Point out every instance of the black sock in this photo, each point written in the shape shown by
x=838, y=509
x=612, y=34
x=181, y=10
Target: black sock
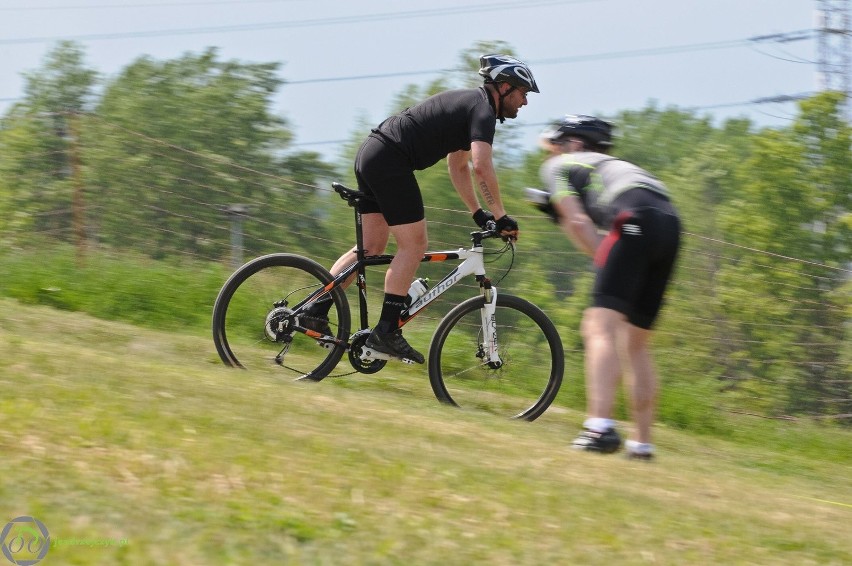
x=393, y=305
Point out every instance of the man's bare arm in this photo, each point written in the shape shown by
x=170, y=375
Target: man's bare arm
x=458, y=165
x=486, y=177
x=577, y=225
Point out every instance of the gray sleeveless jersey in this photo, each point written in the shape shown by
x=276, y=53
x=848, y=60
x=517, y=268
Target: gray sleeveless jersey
x=598, y=180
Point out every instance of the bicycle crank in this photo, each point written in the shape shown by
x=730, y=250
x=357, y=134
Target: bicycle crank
x=363, y=359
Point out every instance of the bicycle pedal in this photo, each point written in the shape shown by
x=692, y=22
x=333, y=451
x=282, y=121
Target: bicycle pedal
x=368, y=355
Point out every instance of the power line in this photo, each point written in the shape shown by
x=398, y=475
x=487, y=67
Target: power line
x=143, y=5
x=656, y=51
x=651, y=51
x=762, y=100
x=361, y=18
x=783, y=98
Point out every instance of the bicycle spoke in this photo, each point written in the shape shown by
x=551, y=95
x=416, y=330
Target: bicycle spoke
x=255, y=325
x=529, y=348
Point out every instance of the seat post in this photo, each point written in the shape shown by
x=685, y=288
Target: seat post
x=360, y=254
x=354, y=198
x=359, y=230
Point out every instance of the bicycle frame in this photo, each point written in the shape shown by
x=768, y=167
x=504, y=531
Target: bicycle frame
x=472, y=263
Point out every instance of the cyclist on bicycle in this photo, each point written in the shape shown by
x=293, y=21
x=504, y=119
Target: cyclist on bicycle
x=456, y=124
x=591, y=190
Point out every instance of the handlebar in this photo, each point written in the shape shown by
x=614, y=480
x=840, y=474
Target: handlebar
x=490, y=231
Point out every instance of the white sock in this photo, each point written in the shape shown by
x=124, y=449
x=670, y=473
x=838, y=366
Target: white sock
x=599, y=424
x=635, y=447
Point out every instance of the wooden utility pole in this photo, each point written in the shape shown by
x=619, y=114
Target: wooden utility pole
x=78, y=207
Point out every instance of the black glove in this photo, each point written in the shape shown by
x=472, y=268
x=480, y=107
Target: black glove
x=507, y=224
x=481, y=217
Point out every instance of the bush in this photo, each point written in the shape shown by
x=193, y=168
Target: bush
x=127, y=287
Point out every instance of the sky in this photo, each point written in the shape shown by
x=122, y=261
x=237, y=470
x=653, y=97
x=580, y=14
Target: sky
x=344, y=61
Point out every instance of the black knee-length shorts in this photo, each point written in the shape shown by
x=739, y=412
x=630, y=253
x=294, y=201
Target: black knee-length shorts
x=383, y=172
x=635, y=262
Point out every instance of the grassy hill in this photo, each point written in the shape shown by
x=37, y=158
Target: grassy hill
x=143, y=443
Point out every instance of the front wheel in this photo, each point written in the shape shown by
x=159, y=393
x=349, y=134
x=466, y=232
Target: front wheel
x=257, y=316
x=528, y=379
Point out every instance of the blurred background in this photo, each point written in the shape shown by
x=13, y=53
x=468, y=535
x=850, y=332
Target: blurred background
x=149, y=148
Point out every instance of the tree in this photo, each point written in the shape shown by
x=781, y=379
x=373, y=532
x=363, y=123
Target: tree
x=37, y=142
x=177, y=143
x=792, y=201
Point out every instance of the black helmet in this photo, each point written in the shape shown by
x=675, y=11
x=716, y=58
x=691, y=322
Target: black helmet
x=506, y=69
x=594, y=130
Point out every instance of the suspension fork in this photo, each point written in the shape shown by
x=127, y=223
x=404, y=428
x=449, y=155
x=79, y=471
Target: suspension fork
x=488, y=316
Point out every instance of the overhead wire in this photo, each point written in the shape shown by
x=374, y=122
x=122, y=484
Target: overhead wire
x=785, y=37
x=337, y=20
x=656, y=51
x=30, y=8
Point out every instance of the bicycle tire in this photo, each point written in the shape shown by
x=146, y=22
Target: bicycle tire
x=247, y=300
x=529, y=346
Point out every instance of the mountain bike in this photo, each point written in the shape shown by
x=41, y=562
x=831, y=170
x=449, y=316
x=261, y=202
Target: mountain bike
x=494, y=351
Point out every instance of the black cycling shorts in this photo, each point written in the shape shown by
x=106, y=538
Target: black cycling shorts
x=383, y=172
x=635, y=263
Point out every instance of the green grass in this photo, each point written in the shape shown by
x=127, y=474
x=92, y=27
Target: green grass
x=110, y=431
x=175, y=294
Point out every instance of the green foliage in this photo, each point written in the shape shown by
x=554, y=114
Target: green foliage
x=659, y=139
x=63, y=84
x=207, y=127
x=790, y=203
x=35, y=189
x=174, y=145
x=37, y=139
x=127, y=287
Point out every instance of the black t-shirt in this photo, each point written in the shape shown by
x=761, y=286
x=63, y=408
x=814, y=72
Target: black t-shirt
x=441, y=124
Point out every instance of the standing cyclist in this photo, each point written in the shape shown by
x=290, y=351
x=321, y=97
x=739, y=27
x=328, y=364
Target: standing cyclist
x=591, y=190
x=458, y=124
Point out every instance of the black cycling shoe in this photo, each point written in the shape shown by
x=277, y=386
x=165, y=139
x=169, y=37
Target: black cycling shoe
x=605, y=442
x=317, y=324
x=393, y=344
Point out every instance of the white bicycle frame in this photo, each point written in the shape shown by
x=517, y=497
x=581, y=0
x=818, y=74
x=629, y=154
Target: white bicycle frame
x=473, y=264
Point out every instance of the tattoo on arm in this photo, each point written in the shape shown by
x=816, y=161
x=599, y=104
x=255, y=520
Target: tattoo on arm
x=486, y=192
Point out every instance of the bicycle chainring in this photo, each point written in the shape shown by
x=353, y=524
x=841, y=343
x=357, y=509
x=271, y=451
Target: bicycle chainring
x=356, y=346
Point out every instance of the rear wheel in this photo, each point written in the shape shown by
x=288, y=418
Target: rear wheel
x=532, y=359
x=258, y=310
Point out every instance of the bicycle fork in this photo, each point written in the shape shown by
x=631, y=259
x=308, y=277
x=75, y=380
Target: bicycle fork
x=488, y=315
